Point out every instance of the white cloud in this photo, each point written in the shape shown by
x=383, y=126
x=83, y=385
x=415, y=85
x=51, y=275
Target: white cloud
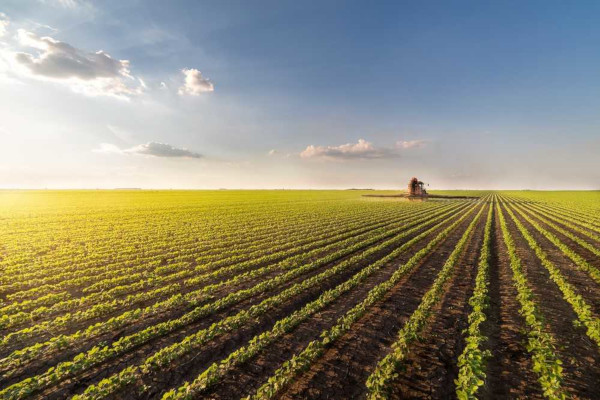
x=4, y=22
x=162, y=150
x=90, y=73
x=154, y=149
x=61, y=60
x=36, y=26
x=411, y=144
x=108, y=148
x=195, y=83
x=72, y=4
x=272, y=152
x=360, y=150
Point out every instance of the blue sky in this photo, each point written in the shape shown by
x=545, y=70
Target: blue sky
x=327, y=94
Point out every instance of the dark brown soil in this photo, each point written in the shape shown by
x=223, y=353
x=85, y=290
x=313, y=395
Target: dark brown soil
x=343, y=369
x=431, y=366
x=76, y=291
x=210, y=354
x=589, y=256
x=509, y=369
x=247, y=378
x=585, y=285
x=40, y=365
x=580, y=356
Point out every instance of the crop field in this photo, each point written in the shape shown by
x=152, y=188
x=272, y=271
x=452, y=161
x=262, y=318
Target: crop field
x=298, y=295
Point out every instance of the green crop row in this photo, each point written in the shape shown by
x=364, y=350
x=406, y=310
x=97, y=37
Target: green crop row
x=102, y=278
x=378, y=383
x=161, y=359
x=581, y=308
x=300, y=362
x=540, y=344
x=192, y=299
x=575, y=227
x=566, y=250
x=471, y=362
x=258, y=343
x=100, y=354
x=246, y=233
x=181, y=271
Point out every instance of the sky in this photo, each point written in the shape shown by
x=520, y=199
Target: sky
x=299, y=94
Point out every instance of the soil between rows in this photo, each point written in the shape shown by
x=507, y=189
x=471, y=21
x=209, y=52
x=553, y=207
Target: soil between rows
x=586, y=254
x=185, y=289
x=509, y=369
x=579, y=354
x=245, y=379
x=560, y=222
x=343, y=369
x=431, y=366
x=584, y=284
x=40, y=365
x=134, y=357
x=76, y=292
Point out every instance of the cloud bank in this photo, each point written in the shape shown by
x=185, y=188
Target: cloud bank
x=411, y=144
x=94, y=73
x=360, y=150
x=195, y=84
x=154, y=149
x=91, y=73
x=4, y=22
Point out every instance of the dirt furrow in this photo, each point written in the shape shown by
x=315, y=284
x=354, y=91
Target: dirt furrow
x=509, y=369
x=586, y=286
x=580, y=356
x=343, y=369
x=42, y=364
x=247, y=378
x=386, y=221
x=431, y=366
x=134, y=357
x=589, y=256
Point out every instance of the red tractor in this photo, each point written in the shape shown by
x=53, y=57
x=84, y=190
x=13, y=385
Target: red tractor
x=416, y=188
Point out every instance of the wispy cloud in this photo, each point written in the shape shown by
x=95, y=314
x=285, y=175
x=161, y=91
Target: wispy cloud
x=411, y=144
x=153, y=149
x=194, y=83
x=36, y=26
x=162, y=150
x=278, y=154
x=360, y=150
x=69, y=4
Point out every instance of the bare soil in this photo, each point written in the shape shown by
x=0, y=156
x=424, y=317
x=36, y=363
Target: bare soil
x=430, y=368
x=580, y=356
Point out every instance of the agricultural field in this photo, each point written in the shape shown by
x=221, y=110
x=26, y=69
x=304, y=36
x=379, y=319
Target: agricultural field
x=298, y=295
